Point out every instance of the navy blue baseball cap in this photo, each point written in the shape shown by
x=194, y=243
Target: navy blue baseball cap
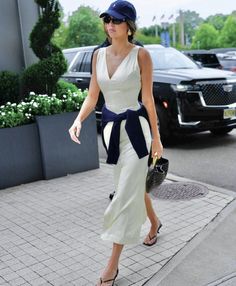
x=121, y=9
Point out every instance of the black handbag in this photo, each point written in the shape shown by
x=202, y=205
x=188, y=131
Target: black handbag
x=157, y=172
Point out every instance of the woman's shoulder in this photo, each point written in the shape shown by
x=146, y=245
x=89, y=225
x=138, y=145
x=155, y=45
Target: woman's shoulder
x=143, y=54
x=98, y=52
x=143, y=51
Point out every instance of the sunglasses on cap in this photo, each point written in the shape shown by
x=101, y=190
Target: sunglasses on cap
x=115, y=21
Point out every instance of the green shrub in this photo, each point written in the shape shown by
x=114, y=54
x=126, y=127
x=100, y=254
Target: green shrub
x=12, y=114
x=43, y=76
x=63, y=86
x=9, y=87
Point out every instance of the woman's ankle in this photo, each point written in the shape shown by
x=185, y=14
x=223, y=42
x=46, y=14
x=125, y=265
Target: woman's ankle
x=155, y=222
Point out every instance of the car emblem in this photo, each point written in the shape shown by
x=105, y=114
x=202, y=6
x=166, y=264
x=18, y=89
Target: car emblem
x=228, y=87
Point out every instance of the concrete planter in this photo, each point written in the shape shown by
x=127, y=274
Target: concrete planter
x=60, y=155
x=44, y=150
x=20, y=160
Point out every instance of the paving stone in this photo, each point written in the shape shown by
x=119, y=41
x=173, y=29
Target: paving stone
x=50, y=232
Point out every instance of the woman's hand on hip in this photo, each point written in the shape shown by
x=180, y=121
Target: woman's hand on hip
x=75, y=131
x=157, y=148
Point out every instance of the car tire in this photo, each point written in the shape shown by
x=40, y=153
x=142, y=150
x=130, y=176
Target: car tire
x=221, y=131
x=163, y=124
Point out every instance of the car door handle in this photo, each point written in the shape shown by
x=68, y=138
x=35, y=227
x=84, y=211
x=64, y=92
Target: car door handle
x=79, y=79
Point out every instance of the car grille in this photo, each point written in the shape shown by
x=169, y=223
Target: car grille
x=216, y=93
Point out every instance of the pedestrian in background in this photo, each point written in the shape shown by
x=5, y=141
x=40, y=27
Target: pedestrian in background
x=129, y=130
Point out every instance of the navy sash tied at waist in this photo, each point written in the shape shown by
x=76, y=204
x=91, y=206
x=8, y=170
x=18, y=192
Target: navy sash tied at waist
x=132, y=127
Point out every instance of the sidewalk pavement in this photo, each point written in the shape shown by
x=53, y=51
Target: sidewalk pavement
x=50, y=235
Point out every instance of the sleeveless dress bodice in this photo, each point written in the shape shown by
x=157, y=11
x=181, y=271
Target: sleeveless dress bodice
x=121, y=91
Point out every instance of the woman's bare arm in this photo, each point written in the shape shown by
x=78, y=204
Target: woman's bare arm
x=145, y=64
x=88, y=104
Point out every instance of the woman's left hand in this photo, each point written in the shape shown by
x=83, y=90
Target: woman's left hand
x=157, y=148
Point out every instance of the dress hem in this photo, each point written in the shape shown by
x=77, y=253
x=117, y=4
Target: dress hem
x=117, y=240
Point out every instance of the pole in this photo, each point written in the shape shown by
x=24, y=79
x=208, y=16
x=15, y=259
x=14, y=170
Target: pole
x=174, y=35
x=156, y=29
x=181, y=22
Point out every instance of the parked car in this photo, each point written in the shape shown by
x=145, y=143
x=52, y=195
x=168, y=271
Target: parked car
x=228, y=61
x=204, y=58
x=227, y=58
x=188, y=98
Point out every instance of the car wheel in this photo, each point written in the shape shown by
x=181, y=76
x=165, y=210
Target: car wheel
x=221, y=131
x=164, y=124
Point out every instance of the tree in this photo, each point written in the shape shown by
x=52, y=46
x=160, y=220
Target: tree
x=192, y=20
x=42, y=77
x=217, y=21
x=85, y=28
x=150, y=31
x=206, y=37
x=60, y=35
x=147, y=39
x=227, y=35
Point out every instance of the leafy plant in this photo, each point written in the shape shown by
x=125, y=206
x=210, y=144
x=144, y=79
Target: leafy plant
x=43, y=76
x=13, y=114
x=63, y=86
x=9, y=87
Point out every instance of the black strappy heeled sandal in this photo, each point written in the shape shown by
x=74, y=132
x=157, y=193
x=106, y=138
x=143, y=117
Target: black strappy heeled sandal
x=109, y=280
x=155, y=236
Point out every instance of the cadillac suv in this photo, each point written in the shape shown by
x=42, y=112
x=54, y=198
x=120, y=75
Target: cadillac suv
x=188, y=97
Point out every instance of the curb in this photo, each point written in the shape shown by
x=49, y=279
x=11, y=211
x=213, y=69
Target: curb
x=176, y=178
x=156, y=279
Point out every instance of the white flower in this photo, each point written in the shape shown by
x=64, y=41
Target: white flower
x=3, y=113
x=32, y=93
x=53, y=95
x=23, y=103
x=64, y=96
x=13, y=104
x=35, y=105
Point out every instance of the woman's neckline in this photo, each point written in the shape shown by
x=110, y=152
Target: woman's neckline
x=122, y=61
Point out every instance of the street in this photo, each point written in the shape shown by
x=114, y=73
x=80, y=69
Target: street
x=202, y=157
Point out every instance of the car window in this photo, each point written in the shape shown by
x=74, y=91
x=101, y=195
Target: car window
x=78, y=62
x=170, y=58
x=82, y=62
x=86, y=62
x=69, y=56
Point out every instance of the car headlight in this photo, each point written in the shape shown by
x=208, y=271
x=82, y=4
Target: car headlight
x=181, y=87
x=185, y=87
x=231, y=80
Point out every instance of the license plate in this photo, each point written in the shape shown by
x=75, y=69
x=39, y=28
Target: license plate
x=229, y=113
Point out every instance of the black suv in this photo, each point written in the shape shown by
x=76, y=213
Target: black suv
x=188, y=98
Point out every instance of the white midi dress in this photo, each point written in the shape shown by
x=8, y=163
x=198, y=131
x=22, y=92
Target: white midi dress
x=126, y=213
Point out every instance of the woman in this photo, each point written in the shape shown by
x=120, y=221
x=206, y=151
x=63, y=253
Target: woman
x=129, y=131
